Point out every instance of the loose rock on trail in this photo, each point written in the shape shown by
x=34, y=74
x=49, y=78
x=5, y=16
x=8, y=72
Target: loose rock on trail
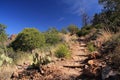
x=63, y=69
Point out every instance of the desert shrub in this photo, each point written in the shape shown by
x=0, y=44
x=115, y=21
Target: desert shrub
x=52, y=37
x=41, y=56
x=3, y=37
x=1, y=50
x=112, y=49
x=52, y=30
x=64, y=31
x=6, y=71
x=10, y=52
x=99, y=26
x=73, y=29
x=91, y=47
x=104, y=35
x=85, y=30
x=112, y=43
x=4, y=59
x=28, y=39
x=116, y=59
x=62, y=51
x=40, y=59
x=20, y=58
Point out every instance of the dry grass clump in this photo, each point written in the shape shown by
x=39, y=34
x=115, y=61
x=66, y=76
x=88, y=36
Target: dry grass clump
x=101, y=37
x=6, y=71
x=104, y=36
x=21, y=57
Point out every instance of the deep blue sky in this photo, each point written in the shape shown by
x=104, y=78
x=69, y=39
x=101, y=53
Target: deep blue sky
x=42, y=14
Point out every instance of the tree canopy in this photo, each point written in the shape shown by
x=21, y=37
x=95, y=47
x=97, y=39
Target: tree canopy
x=28, y=39
x=52, y=37
x=110, y=15
x=3, y=35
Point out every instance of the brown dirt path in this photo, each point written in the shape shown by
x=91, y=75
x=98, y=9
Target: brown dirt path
x=61, y=69
x=71, y=68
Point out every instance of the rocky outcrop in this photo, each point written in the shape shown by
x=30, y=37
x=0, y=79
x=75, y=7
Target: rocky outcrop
x=12, y=37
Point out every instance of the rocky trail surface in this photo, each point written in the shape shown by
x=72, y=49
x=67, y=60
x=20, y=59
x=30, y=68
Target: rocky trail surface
x=61, y=69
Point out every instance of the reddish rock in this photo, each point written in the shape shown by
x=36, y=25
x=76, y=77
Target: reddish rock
x=94, y=55
x=12, y=37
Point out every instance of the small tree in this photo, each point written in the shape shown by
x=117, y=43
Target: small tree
x=52, y=30
x=64, y=31
x=52, y=37
x=28, y=39
x=3, y=37
x=73, y=29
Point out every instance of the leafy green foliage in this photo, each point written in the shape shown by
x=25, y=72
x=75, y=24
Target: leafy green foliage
x=1, y=50
x=52, y=30
x=110, y=15
x=84, y=31
x=64, y=31
x=112, y=49
x=110, y=5
x=5, y=59
x=115, y=57
x=21, y=57
x=73, y=29
x=3, y=35
x=91, y=47
x=111, y=44
x=52, y=37
x=38, y=60
x=28, y=39
x=62, y=51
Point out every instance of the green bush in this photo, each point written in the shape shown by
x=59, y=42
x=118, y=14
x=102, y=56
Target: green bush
x=52, y=37
x=115, y=57
x=1, y=51
x=3, y=35
x=52, y=30
x=20, y=58
x=28, y=39
x=64, y=31
x=38, y=60
x=111, y=44
x=5, y=59
x=91, y=47
x=85, y=30
x=112, y=48
x=62, y=51
x=73, y=29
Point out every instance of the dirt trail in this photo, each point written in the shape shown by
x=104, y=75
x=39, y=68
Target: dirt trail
x=71, y=68
x=63, y=69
